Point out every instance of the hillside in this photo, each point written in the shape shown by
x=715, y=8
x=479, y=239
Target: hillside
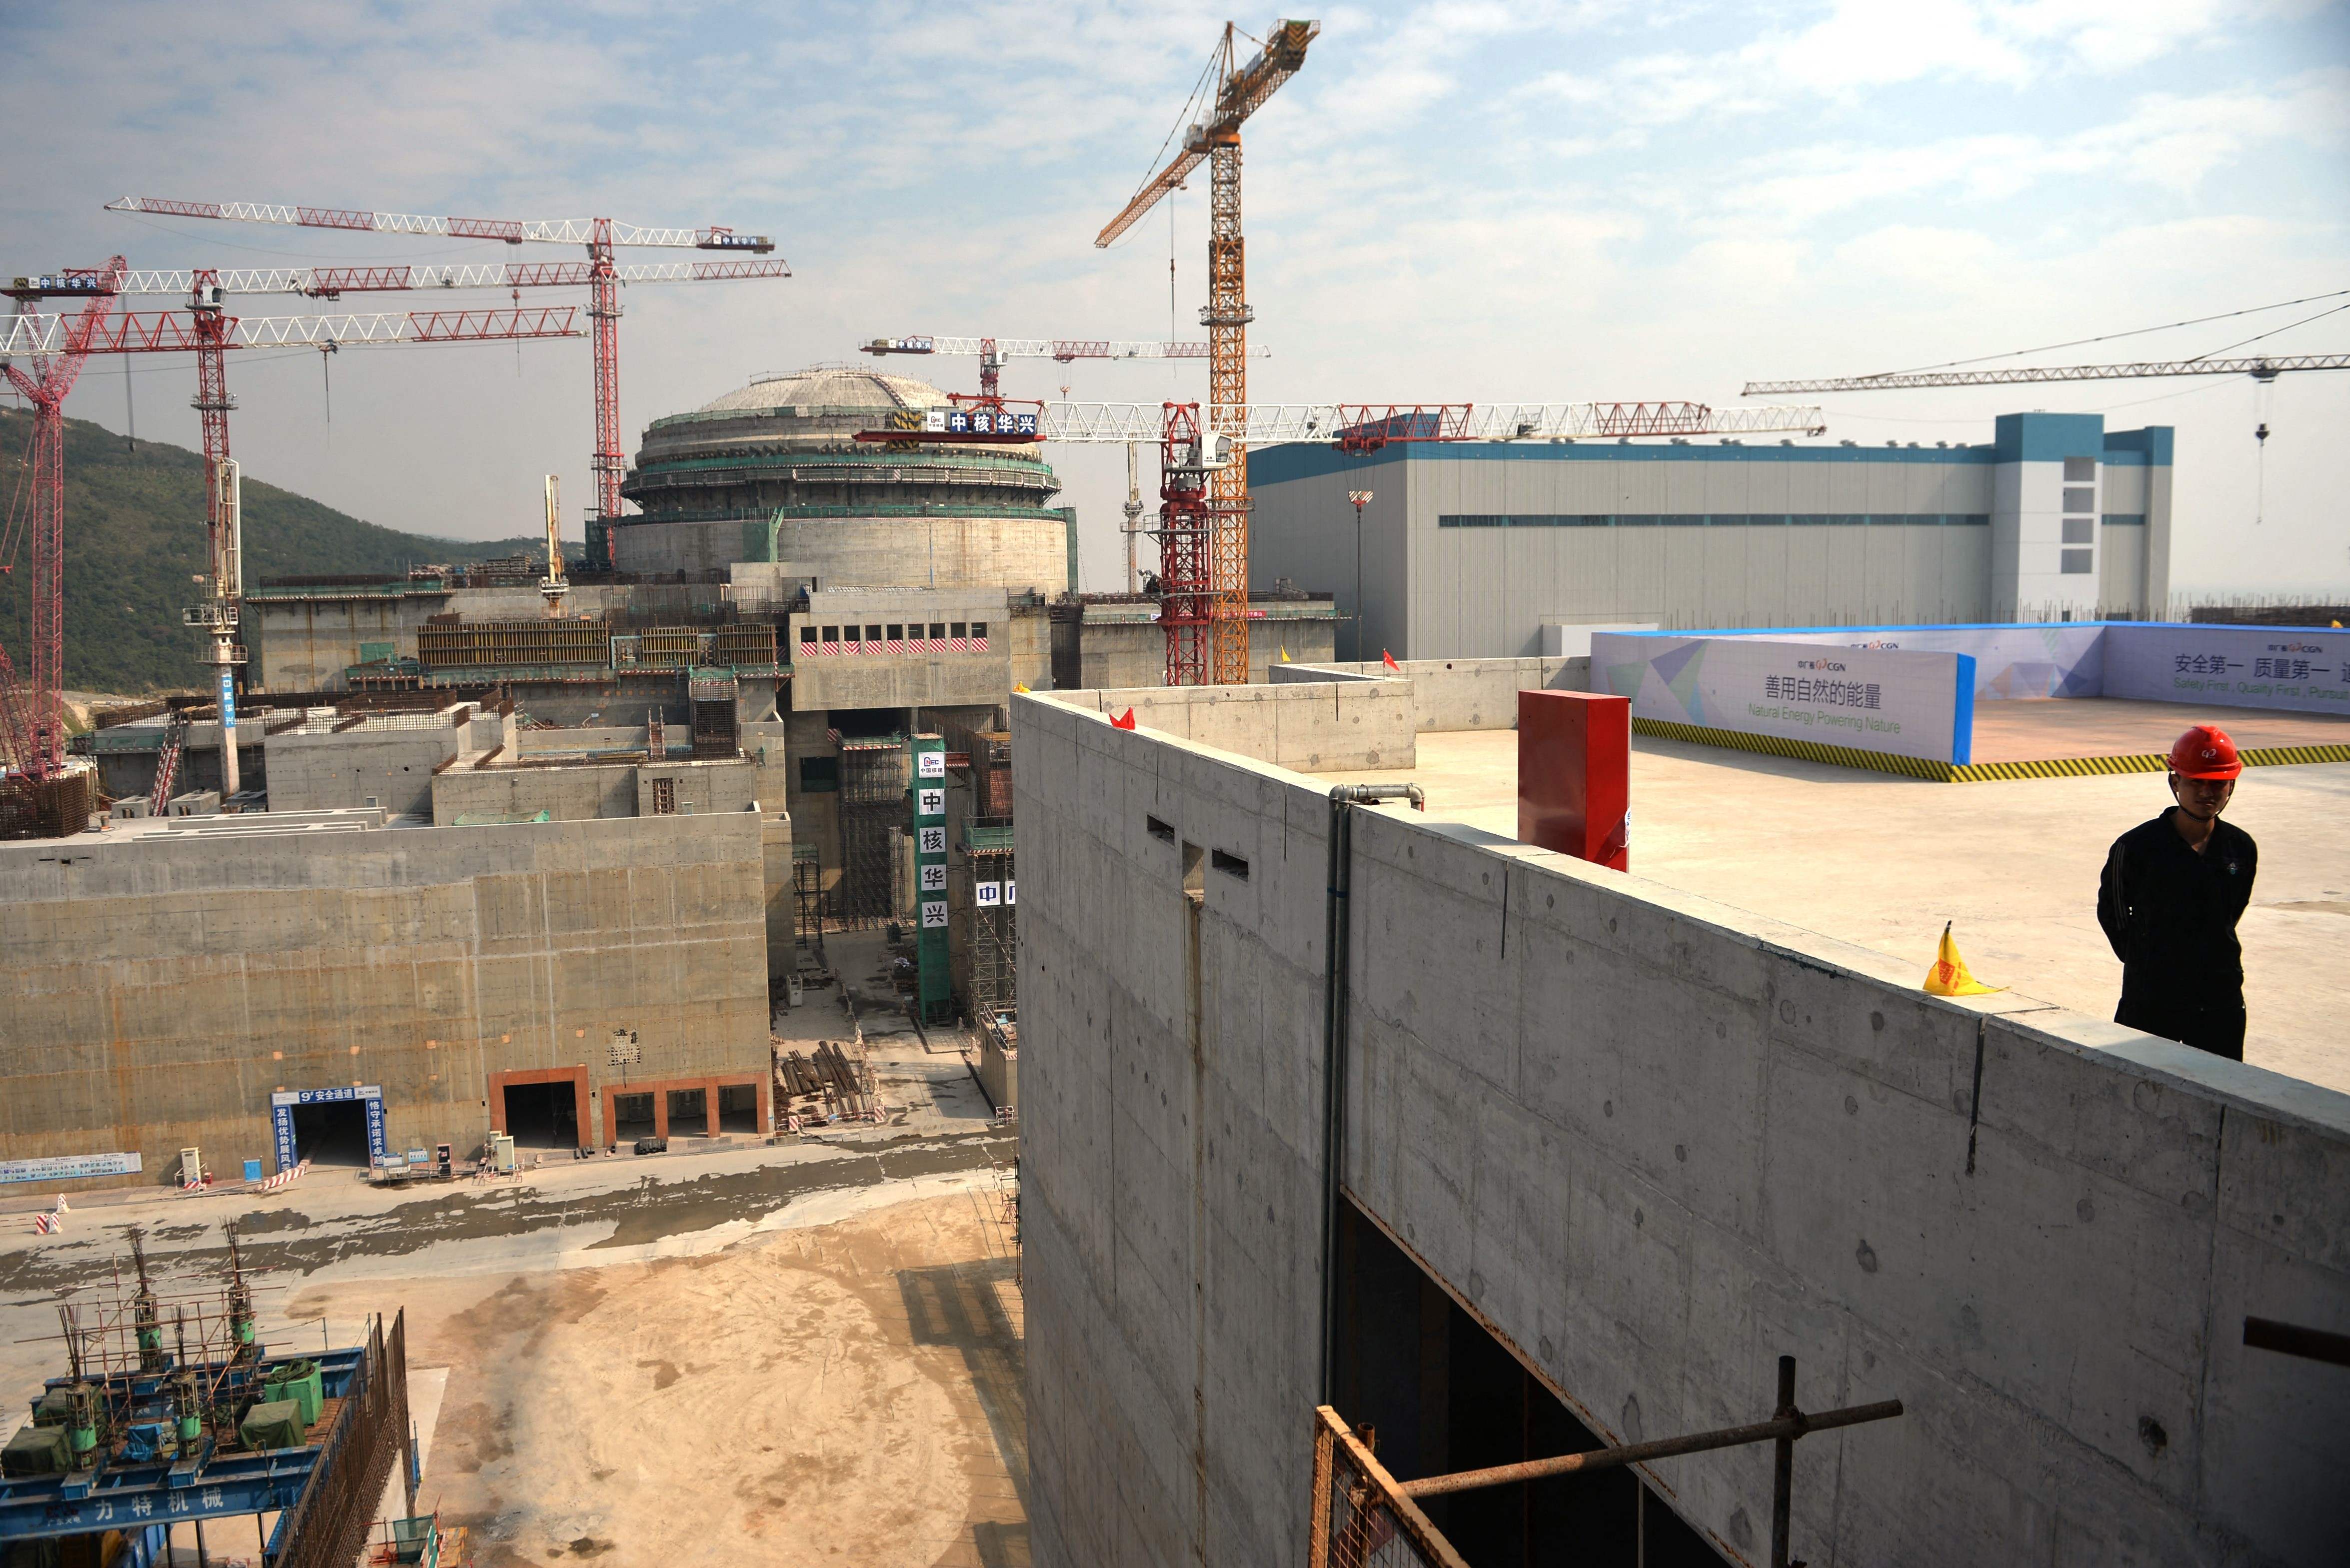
x=134, y=537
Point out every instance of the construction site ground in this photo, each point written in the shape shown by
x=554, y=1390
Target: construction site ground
x=807, y=1353
x=1883, y=861
x=924, y=1075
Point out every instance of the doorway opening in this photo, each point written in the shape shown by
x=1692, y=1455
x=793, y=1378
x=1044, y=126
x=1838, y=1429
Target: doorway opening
x=632, y=1117
x=1444, y=1395
x=688, y=1114
x=331, y=1132
x=542, y=1116
x=738, y=1108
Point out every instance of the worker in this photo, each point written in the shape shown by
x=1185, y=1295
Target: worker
x=2172, y=892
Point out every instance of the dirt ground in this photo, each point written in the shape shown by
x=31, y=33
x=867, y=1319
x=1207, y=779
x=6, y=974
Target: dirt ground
x=845, y=1393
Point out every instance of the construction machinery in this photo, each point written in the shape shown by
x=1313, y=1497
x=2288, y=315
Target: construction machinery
x=1239, y=89
x=206, y=330
x=32, y=710
x=2263, y=368
x=1195, y=457
x=993, y=351
x=554, y=586
x=600, y=236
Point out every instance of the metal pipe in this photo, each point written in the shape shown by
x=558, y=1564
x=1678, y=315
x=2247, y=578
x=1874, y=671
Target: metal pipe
x=1783, y=1464
x=1343, y=797
x=1793, y=1426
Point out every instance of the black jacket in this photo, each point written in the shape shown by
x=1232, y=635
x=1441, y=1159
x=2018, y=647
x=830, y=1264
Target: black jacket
x=2171, y=914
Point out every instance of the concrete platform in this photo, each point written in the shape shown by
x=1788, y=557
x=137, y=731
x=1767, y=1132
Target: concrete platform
x=2049, y=728
x=1883, y=861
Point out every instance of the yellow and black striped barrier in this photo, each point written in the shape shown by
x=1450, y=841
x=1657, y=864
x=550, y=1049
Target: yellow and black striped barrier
x=1966, y=772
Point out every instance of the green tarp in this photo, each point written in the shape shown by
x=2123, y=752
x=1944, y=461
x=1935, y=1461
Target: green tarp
x=277, y=1424
x=296, y=1380
x=36, y=1451
x=54, y=1408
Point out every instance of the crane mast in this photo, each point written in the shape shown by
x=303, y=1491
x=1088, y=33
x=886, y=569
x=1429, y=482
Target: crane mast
x=32, y=716
x=609, y=464
x=205, y=329
x=1220, y=523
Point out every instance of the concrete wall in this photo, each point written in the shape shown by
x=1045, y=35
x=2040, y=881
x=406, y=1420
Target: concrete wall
x=394, y=767
x=1118, y=654
x=1457, y=694
x=1653, y=1142
x=574, y=791
x=161, y=987
x=1018, y=553
x=1341, y=725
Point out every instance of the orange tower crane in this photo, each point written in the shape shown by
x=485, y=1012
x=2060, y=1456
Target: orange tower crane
x=1206, y=544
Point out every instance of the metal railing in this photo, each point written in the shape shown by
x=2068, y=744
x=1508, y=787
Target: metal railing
x=1364, y=1515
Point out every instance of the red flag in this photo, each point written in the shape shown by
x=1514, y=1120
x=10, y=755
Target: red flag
x=1388, y=660
x=1124, y=722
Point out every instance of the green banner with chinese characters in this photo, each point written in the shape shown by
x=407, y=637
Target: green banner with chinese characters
x=934, y=991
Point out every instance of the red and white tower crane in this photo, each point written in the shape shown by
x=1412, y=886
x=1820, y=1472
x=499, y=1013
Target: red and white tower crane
x=993, y=351
x=206, y=330
x=32, y=711
x=600, y=236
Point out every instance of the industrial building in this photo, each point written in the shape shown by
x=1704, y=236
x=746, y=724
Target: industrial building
x=427, y=927
x=1502, y=1155
x=1470, y=549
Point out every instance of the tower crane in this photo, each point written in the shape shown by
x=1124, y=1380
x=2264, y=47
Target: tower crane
x=600, y=236
x=993, y=351
x=1193, y=455
x=32, y=711
x=206, y=330
x=1204, y=544
x=2263, y=368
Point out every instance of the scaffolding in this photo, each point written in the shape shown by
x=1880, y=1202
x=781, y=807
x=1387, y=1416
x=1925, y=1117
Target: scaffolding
x=807, y=898
x=1364, y=1516
x=986, y=916
x=872, y=821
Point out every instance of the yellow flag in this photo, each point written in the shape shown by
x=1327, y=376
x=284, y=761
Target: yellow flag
x=1021, y=686
x=1948, y=977
x=1285, y=648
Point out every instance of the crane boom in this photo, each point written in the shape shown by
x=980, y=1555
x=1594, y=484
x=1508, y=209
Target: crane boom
x=1379, y=423
x=2263, y=368
x=329, y=281
x=511, y=231
x=170, y=331
x=1065, y=349
x=607, y=463
x=1240, y=94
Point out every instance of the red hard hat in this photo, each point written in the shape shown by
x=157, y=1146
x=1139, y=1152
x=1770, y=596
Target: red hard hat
x=2205, y=752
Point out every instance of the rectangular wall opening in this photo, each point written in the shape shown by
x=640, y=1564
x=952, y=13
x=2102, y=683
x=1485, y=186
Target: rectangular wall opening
x=632, y=1117
x=688, y=1114
x=331, y=1132
x=1443, y=1394
x=542, y=1116
x=738, y=1108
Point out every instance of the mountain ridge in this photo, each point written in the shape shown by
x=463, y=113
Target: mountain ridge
x=134, y=538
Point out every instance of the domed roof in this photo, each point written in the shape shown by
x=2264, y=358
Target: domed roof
x=830, y=387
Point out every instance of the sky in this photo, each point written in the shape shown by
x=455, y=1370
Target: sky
x=1469, y=201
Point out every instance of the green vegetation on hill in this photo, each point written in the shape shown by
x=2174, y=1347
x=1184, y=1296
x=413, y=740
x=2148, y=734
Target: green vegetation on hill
x=134, y=538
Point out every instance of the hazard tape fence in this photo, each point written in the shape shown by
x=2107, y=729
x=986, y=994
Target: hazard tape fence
x=1966, y=772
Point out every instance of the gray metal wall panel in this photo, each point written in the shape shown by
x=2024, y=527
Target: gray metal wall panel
x=2121, y=570
x=2124, y=489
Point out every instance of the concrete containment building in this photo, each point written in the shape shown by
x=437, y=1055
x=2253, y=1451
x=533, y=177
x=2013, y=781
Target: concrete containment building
x=1511, y=1157
x=1469, y=549
x=773, y=472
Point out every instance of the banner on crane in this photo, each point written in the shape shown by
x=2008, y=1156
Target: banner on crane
x=980, y=422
